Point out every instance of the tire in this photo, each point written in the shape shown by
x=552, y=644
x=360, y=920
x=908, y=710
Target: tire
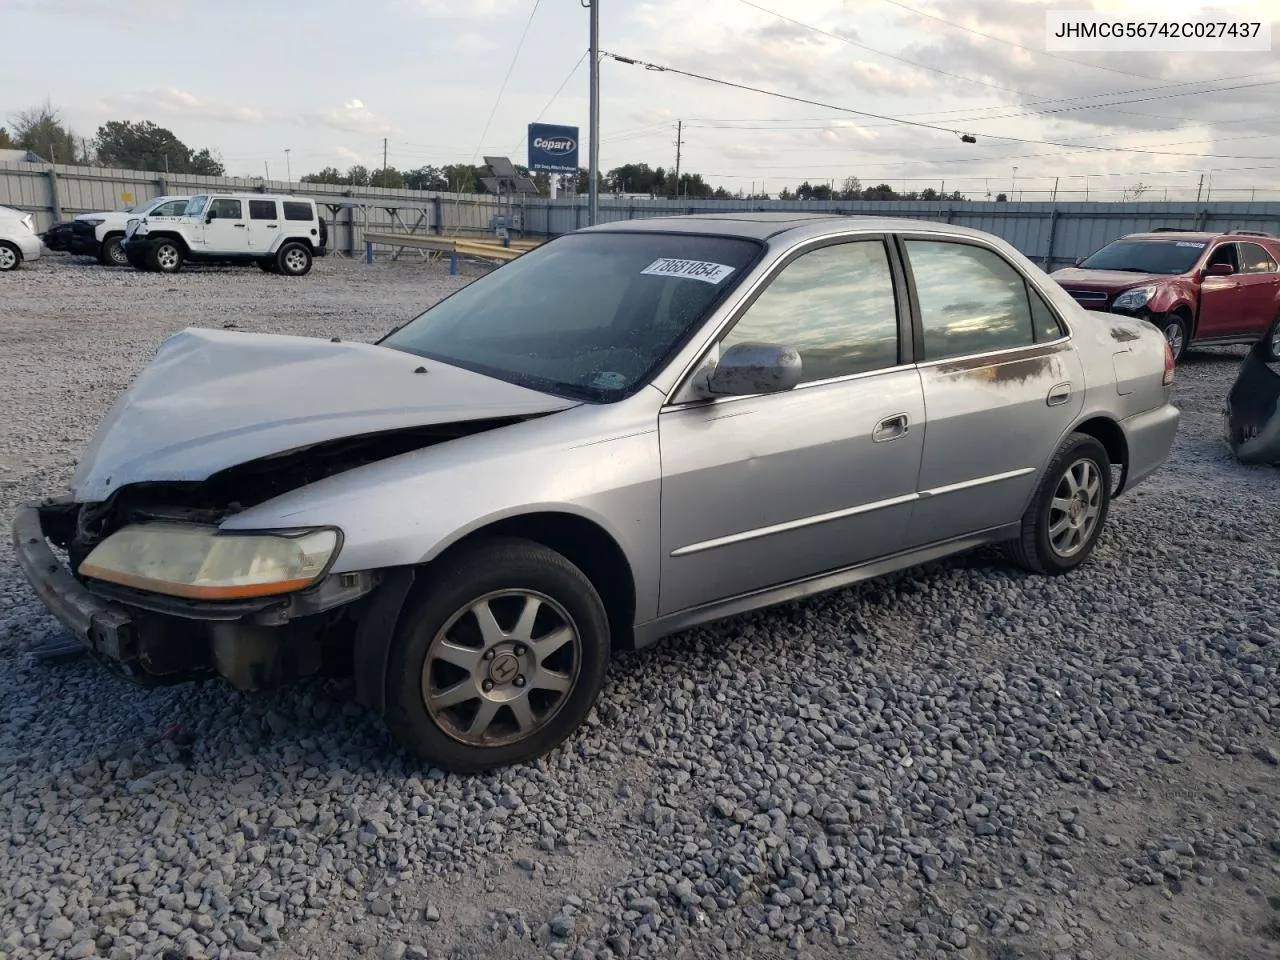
x=1271, y=344
x=1038, y=548
x=10, y=257
x=1177, y=333
x=112, y=252
x=293, y=259
x=166, y=256
x=504, y=576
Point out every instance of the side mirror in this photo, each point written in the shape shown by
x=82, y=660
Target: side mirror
x=749, y=368
x=1219, y=270
x=1077, y=261
x=210, y=216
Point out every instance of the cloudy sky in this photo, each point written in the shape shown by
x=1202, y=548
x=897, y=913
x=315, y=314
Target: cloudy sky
x=328, y=84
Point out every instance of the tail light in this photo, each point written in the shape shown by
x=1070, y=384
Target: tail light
x=1168, y=365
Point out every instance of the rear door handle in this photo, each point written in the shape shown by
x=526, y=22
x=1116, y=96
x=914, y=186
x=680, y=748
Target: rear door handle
x=240, y=225
x=1059, y=395
x=891, y=428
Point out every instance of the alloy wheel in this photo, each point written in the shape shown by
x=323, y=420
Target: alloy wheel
x=501, y=668
x=1075, y=508
x=8, y=259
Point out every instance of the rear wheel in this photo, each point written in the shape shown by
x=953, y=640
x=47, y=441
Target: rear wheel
x=1067, y=513
x=1177, y=333
x=293, y=260
x=166, y=256
x=10, y=256
x=112, y=252
x=498, y=660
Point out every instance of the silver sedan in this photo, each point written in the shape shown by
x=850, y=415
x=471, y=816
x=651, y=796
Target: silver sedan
x=630, y=430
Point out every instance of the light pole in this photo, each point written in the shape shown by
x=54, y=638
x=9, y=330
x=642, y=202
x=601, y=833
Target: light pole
x=288, y=171
x=593, y=163
x=1013, y=183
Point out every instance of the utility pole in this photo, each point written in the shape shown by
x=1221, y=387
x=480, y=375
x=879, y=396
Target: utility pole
x=1013, y=183
x=288, y=169
x=679, y=142
x=1054, y=199
x=384, y=162
x=1200, y=189
x=593, y=165
x=266, y=168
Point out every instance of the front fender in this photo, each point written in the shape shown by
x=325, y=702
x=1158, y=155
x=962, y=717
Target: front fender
x=598, y=464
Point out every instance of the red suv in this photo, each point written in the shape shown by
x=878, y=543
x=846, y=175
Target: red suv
x=1199, y=288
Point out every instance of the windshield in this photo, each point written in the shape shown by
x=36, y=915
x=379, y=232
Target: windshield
x=1147, y=256
x=195, y=206
x=590, y=316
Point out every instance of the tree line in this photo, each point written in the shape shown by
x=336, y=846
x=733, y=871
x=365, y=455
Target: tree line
x=143, y=145
x=118, y=143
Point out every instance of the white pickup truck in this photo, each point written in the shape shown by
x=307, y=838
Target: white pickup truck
x=100, y=234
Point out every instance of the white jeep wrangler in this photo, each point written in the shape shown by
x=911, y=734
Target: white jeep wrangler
x=281, y=234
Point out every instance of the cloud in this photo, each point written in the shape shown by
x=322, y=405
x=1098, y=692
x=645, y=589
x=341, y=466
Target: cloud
x=352, y=117
x=172, y=101
x=746, y=151
x=469, y=10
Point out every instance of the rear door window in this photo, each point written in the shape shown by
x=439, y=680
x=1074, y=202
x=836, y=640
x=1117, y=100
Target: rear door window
x=262, y=210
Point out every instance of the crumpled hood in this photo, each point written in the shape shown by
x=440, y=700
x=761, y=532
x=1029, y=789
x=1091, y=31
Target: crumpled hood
x=1109, y=280
x=212, y=399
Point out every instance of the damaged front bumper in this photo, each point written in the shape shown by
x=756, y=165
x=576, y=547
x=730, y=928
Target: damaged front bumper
x=1251, y=420
x=153, y=639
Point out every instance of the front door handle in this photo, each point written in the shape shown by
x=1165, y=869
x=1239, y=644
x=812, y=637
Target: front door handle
x=1059, y=395
x=891, y=428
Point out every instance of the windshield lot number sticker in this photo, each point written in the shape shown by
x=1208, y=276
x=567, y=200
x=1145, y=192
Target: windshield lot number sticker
x=1189, y=243
x=689, y=269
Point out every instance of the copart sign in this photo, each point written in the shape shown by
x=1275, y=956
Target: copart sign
x=553, y=148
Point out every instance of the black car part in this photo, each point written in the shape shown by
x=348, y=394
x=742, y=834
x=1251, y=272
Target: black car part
x=1253, y=410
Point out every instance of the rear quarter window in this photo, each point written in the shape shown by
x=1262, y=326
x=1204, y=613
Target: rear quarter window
x=294, y=210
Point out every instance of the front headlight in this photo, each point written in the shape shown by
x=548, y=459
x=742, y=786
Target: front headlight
x=1133, y=299
x=94, y=221
x=199, y=563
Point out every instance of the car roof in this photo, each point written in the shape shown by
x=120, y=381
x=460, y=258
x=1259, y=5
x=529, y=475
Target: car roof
x=1198, y=235
x=765, y=225
x=233, y=195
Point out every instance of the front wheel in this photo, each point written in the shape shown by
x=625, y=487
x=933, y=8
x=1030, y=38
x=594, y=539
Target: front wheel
x=1067, y=513
x=293, y=260
x=112, y=252
x=498, y=660
x=1177, y=333
x=10, y=257
x=166, y=256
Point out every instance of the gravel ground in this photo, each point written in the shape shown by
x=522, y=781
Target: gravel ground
x=959, y=761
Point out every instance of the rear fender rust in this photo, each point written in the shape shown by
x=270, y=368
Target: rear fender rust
x=375, y=630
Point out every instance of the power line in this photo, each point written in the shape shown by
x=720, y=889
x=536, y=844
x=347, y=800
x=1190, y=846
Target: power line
x=882, y=53
x=1014, y=43
x=502, y=89
x=632, y=61
x=564, y=83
